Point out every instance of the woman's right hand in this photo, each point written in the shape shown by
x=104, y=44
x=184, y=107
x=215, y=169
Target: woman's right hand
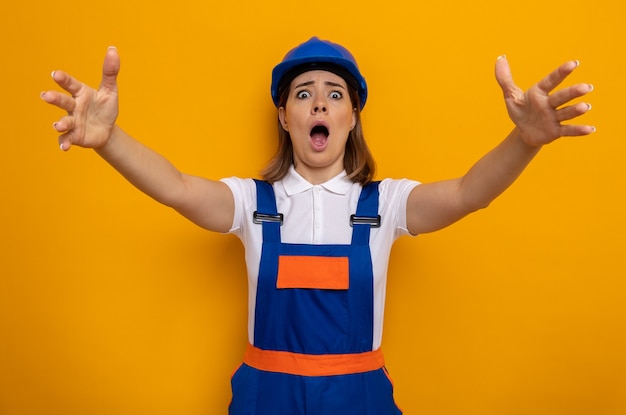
x=91, y=113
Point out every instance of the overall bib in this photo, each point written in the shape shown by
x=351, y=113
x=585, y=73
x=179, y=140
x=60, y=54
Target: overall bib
x=313, y=330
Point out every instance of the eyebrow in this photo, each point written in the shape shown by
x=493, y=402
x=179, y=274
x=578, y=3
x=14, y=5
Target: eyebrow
x=328, y=83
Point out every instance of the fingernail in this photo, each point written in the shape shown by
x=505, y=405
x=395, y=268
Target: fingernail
x=41, y=94
x=593, y=129
x=501, y=57
x=112, y=47
x=577, y=62
x=61, y=146
x=54, y=125
x=589, y=105
x=52, y=74
x=590, y=86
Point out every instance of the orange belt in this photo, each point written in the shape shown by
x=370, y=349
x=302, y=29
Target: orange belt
x=313, y=365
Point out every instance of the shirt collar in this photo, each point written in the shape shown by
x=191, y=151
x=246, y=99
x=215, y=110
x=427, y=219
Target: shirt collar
x=294, y=183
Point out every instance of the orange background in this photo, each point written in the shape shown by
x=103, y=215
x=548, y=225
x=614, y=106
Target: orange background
x=113, y=304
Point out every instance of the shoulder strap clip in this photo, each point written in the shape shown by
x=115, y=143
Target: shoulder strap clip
x=259, y=218
x=373, y=221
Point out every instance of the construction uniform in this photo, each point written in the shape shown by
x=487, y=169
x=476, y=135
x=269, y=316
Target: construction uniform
x=316, y=295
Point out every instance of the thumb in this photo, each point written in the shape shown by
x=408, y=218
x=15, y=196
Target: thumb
x=110, y=69
x=503, y=75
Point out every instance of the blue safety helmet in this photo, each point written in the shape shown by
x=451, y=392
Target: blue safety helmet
x=316, y=54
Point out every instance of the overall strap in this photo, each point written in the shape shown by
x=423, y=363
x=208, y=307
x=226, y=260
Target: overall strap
x=366, y=215
x=266, y=213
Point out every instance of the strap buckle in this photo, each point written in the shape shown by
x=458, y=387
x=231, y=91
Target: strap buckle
x=259, y=218
x=374, y=221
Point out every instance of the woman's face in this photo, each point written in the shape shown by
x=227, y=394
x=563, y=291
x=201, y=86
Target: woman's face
x=319, y=117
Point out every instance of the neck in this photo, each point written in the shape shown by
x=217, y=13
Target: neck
x=317, y=176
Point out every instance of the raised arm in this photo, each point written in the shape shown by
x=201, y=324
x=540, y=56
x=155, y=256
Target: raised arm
x=90, y=123
x=538, y=115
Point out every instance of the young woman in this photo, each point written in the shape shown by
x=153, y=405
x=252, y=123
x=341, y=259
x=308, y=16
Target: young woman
x=318, y=230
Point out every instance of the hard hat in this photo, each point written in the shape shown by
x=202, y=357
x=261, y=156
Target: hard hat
x=318, y=54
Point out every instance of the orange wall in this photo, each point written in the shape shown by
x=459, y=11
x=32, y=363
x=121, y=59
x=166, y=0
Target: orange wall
x=112, y=304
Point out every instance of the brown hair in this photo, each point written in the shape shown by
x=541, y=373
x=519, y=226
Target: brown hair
x=357, y=161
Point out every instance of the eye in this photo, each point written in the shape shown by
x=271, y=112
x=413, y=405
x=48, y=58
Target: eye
x=303, y=94
x=336, y=95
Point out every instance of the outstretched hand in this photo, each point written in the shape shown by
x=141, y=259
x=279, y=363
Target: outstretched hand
x=539, y=112
x=91, y=113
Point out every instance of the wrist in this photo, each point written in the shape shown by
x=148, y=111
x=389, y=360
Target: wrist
x=526, y=142
x=109, y=143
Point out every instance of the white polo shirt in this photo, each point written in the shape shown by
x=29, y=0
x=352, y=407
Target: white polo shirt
x=320, y=214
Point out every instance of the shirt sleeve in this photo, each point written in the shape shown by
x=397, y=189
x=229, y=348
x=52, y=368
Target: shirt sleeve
x=244, y=194
x=394, y=194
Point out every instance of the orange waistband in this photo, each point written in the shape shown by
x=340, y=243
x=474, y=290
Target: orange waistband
x=312, y=365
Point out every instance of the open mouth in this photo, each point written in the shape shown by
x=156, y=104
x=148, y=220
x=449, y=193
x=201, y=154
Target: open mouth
x=319, y=131
x=319, y=137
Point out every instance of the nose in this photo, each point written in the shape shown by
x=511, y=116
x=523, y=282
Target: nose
x=319, y=106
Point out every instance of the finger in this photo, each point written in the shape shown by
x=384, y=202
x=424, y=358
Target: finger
x=557, y=76
x=67, y=82
x=62, y=101
x=576, y=130
x=573, y=111
x=565, y=95
x=65, y=142
x=110, y=69
x=64, y=125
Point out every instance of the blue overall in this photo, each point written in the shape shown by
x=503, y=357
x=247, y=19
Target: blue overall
x=314, y=321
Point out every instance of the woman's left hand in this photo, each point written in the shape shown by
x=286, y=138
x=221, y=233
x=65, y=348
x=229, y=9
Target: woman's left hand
x=539, y=113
